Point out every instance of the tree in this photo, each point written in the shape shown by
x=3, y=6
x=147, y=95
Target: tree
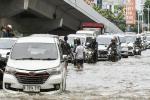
x=146, y=5
x=118, y=20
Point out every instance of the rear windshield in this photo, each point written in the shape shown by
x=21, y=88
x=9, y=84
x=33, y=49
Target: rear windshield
x=130, y=38
x=148, y=38
x=123, y=39
x=103, y=40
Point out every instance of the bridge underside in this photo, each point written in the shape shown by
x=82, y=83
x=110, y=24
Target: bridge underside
x=42, y=16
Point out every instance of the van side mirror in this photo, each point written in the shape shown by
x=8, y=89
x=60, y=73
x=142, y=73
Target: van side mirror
x=7, y=55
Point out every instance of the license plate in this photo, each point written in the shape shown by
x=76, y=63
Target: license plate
x=30, y=88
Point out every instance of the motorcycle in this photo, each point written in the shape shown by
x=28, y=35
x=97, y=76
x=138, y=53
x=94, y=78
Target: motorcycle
x=89, y=53
x=137, y=50
x=113, y=55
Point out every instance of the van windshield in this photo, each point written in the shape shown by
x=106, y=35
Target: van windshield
x=103, y=40
x=148, y=38
x=35, y=51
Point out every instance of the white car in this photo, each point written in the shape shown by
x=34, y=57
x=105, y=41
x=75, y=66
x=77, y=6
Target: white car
x=103, y=43
x=124, y=46
x=35, y=64
x=131, y=43
x=6, y=45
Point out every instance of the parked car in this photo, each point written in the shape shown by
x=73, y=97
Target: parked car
x=131, y=42
x=35, y=64
x=103, y=43
x=6, y=45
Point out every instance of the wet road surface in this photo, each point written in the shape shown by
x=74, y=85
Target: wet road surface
x=127, y=79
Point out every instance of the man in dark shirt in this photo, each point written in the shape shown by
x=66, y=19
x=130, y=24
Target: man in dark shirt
x=66, y=50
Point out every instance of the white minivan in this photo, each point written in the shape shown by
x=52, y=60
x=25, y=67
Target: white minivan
x=35, y=65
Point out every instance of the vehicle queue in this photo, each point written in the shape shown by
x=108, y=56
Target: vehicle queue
x=36, y=63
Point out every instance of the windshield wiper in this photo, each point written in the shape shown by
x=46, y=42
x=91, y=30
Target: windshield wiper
x=36, y=59
x=48, y=59
x=27, y=59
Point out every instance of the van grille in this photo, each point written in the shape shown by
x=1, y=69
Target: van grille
x=32, y=78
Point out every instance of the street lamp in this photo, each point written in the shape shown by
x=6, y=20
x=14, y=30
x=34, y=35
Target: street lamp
x=148, y=17
x=139, y=13
x=148, y=10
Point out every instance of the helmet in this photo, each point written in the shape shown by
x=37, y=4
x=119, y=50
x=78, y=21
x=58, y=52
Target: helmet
x=113, y=39
x=9, y=26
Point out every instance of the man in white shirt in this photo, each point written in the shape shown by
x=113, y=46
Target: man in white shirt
x=79, y=55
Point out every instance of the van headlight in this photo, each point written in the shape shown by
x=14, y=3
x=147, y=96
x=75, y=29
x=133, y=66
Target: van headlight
x=55, y=71
x=10, y=70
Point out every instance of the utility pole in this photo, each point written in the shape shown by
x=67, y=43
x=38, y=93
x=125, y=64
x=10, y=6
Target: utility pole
x=148, y=17
x=138, y=22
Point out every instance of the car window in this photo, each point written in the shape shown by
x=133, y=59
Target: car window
x=35, y=51
x=6, y=43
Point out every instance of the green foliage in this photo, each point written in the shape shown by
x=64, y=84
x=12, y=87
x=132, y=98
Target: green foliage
x=147, y=4
x=116, y=19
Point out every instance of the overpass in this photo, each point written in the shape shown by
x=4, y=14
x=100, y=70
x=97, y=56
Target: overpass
x=54, y=16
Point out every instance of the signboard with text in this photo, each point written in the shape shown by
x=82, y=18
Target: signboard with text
x=130, y=12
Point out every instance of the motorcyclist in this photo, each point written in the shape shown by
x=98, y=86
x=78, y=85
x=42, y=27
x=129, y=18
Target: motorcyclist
x=138, y=42
x=113, y=44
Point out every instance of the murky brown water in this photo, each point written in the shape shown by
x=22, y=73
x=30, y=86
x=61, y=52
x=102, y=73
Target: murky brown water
x=128, y=79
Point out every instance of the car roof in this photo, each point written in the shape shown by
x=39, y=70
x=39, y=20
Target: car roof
x=36, y=40
x=77, y=35
x=110, y=36
x=44, y=35
x=85, y=31
x=8, y=38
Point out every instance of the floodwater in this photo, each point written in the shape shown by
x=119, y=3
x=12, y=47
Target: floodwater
x=127, y=79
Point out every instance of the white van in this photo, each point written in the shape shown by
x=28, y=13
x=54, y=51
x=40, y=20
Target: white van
x=35, y=64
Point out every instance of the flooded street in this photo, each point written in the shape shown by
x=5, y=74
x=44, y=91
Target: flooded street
x=127, y=79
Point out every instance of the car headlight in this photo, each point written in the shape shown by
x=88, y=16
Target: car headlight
x=10, y=70
x=89, y=52
x=55, y=71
